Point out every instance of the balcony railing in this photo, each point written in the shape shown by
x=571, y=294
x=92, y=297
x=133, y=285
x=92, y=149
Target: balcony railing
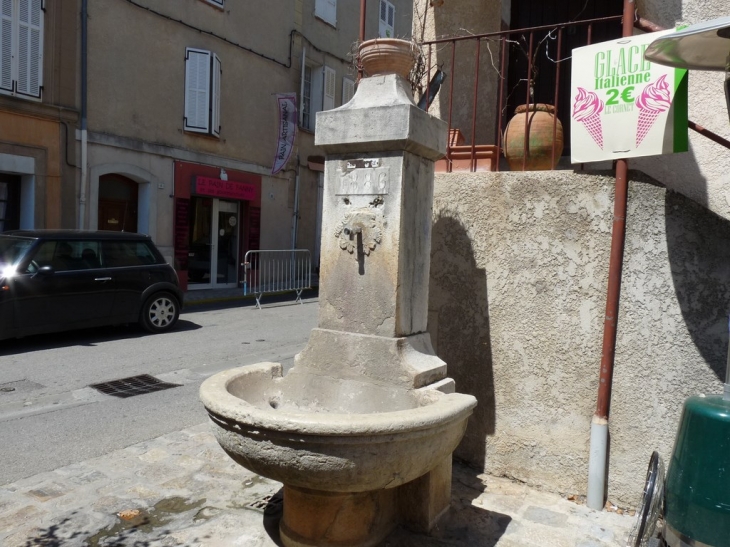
x=489, y=75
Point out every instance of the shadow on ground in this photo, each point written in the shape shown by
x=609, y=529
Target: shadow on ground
x=464, y=525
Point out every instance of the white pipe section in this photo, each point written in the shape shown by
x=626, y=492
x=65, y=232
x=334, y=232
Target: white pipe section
x=84, y=176
x=597, y=463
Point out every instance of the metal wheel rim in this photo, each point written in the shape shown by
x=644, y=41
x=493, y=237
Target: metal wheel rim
x=651, y=506
x=161, y=312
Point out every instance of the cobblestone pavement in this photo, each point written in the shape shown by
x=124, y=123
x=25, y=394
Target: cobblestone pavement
x=181, y=489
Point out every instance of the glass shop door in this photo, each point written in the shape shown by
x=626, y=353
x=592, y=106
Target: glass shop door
x=213, y=254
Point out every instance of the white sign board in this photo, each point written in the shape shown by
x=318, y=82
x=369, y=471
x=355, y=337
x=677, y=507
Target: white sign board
x=623, y=106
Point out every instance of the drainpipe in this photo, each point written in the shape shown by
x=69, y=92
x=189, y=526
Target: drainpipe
x=295, y=225
x=597, y=459
x=84, y=141
x=301, y=87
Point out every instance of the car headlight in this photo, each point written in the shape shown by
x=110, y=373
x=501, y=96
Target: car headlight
x=8, y=271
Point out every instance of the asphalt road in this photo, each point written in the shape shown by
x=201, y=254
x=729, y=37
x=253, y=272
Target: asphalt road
x=49, y=417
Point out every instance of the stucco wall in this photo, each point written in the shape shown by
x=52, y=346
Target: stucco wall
x=140, y=93
x=518, y=287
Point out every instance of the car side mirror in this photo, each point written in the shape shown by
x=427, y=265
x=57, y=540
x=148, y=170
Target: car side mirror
x=45, y=271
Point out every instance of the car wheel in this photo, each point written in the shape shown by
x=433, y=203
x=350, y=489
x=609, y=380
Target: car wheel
x=160, y=312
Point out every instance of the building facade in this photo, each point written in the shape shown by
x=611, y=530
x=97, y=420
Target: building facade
x=39, y=113
x=183, y=122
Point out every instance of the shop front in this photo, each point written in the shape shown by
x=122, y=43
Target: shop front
x=217, y=219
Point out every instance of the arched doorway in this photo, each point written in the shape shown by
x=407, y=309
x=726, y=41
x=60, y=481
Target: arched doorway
x=118, y=199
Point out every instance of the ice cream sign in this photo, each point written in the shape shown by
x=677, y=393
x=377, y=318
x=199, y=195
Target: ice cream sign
x=623, y=106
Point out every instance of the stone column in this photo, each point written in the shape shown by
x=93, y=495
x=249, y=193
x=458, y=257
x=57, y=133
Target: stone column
x=376, y=238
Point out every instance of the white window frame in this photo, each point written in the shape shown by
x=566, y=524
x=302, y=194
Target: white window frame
x=216, y=3
x=18, y=78
x=386, y=19
x=329, y=87
x=203, y=74
x=318, y=87
x=348, y=89
x=326, y=10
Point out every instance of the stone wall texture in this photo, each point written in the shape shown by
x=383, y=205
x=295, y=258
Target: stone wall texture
x=517, y=298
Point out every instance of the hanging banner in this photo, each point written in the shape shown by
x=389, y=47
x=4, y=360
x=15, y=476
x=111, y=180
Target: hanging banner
x=623, y=106
x=287, y=103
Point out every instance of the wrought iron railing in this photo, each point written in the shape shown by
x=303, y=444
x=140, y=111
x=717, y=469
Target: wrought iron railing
x=493, y=73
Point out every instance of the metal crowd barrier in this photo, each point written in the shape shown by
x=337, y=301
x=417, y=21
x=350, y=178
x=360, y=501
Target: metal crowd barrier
x=277, y=271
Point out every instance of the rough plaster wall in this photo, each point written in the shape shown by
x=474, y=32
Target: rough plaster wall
x=518, y=286
x=672, y=340
x=701, y=173
x=276, y=212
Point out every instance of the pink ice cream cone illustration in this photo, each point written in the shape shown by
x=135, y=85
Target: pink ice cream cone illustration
x=654, y=100
x=587, y=110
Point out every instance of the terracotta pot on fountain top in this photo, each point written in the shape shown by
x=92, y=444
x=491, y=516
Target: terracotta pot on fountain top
x=383, y=56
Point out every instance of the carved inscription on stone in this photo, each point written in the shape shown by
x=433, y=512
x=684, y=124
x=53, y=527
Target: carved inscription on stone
x=363, y=178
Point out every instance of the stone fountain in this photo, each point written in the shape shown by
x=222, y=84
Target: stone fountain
x=361, y=430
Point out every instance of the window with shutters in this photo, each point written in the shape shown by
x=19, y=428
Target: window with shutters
x=330, y=83
x=318, y=93
x=21, y=48
x=386, y=27
x=202, y=92
x=348, y=90
x=327, y=11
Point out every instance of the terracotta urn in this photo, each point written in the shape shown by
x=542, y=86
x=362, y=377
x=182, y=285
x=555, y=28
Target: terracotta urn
x=383, y=56
x=540, y=138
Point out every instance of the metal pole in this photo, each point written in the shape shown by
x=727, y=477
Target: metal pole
x=526, y=151
x=500, y=115
x=84, y=108
x=363, y=10
x=473, y=162
x=451, y=101
x=557, y=95
x=598, y=456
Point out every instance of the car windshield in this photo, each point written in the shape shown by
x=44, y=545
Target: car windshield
x=12, y=249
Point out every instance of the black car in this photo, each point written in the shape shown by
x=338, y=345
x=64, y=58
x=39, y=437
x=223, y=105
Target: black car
x=56, y=280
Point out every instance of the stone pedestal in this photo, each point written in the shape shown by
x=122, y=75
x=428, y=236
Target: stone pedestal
x=422, y=502
x=376, y=238
x=313, y=518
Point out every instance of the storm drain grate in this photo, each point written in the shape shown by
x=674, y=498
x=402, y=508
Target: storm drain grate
x=134, y=385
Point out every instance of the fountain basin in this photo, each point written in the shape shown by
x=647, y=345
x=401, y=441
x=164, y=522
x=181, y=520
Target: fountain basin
x=332, y=434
